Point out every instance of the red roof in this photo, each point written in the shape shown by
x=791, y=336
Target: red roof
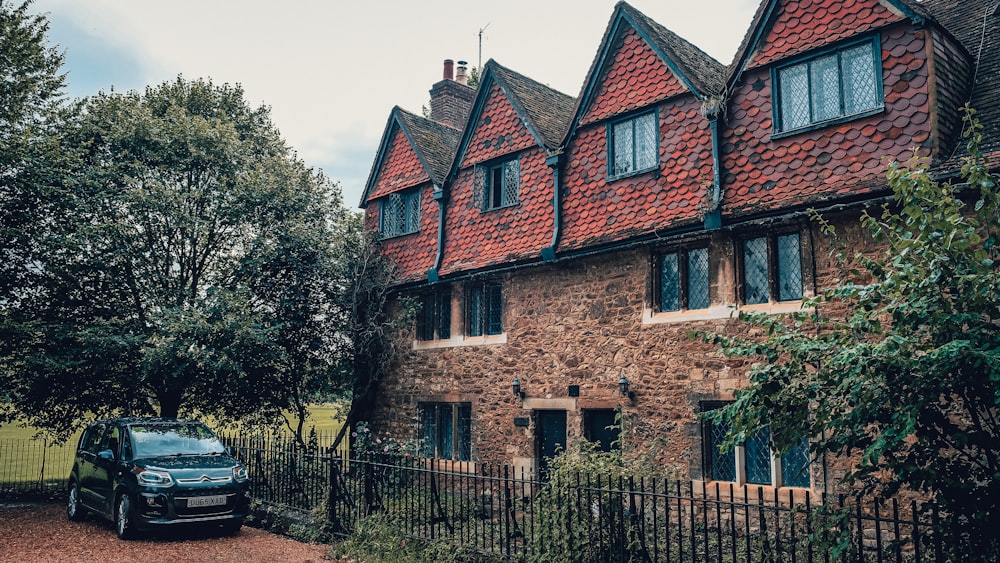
x=499, y=130
x=635, y=77
x=402, y=169
x=801, y=25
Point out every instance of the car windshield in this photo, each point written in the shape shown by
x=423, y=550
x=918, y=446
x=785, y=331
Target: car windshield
x=174, y=439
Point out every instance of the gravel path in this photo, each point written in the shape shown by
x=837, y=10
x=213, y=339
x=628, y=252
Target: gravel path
x=41, y=532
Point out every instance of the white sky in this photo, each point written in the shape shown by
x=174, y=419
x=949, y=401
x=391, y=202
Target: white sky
x=331, y=70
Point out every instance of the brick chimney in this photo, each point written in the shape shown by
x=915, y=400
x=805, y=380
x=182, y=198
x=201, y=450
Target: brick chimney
x=450, y=100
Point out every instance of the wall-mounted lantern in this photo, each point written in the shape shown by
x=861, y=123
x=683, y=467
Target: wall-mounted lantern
x=516, y=387
x=623, y=387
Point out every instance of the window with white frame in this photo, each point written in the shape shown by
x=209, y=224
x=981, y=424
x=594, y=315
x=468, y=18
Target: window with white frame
x=434, y=318
x=485, y=309
x=499, y=184
x=633, y=145
x=772, y=269
x=399, y=214
x=446, y=430
x=829, y=87
x=683, y=280
x=753, y=461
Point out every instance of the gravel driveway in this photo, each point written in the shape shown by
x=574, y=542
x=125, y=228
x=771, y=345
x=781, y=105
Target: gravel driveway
x=41, y=532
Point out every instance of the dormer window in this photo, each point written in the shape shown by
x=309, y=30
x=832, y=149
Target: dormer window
x=633, y=145
x=831, y=87
x=500, y=183
x=399, y=214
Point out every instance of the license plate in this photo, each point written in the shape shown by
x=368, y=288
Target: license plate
x=217, y=500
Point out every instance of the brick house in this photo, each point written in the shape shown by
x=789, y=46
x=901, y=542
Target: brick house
x=563, y=248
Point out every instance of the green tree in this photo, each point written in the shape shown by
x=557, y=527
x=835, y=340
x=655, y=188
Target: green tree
x=30, y=156
x=908, y=379
x=188, y=271
x=374, y=314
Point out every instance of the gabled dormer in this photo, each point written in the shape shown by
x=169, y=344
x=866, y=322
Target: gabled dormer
x=640, y=156
x=399, y=198
x=499, y=196
x=822, y=91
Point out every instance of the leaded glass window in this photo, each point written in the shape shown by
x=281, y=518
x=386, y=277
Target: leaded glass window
x=836, y=84
x=500, y=184
x=434, y=320
x=683, y=279
x=772, y=269
x=723, y=463
x=789, y=267
x=670, y=283
x=446, y=429
x=795, y=465
x=754, y=456
x=634, y=145
x=399, y=214
x=758, y=457
x=755, y=271
x=485, y=309
x=697, y=278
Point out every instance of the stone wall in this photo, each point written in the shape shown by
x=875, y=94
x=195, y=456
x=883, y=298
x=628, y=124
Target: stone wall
x=586, y=322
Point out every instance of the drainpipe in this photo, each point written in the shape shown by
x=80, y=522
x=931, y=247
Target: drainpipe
x=710, y=108
x=555, y=163
x=441, y=199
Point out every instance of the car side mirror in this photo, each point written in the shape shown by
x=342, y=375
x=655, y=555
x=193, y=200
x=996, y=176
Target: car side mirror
x=106, y=455
x=231, y=451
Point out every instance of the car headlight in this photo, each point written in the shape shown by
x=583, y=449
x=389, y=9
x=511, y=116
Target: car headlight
x=150, y=478
x=240, y=474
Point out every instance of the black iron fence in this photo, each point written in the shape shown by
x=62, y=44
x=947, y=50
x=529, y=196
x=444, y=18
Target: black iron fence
x=498, y=511
x=33, y=467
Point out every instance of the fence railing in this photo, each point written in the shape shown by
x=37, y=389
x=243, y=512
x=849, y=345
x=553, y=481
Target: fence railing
x=34, y=467
x=495, y=510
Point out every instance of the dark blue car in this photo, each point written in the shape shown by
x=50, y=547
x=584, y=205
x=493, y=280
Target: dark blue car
x=142, y=473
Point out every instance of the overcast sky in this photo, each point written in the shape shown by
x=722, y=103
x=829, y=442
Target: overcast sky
x=331, y=70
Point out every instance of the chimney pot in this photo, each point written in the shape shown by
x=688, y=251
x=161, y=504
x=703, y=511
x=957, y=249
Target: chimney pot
x=461, y=76
x=449, y=69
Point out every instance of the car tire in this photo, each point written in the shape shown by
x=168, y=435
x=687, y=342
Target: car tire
x=74, y=510
x=124, y=526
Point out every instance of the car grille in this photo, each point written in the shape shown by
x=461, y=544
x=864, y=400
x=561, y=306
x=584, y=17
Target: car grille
x=184, y=511
x=206, y=479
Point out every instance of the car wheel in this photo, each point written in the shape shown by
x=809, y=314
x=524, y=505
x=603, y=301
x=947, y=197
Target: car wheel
x=75, y=510
x=123, y=518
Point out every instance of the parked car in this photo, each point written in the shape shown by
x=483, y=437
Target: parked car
x=144, y=473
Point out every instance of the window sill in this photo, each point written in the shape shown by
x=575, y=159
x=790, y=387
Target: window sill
x=651, y=317
x=388, y=237
x=458, y=341
x=498, y=208
x=774, y=307
x=633, y=173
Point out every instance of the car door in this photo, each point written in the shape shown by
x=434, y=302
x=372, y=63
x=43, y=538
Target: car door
x=86, y=461
x=104, y=469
